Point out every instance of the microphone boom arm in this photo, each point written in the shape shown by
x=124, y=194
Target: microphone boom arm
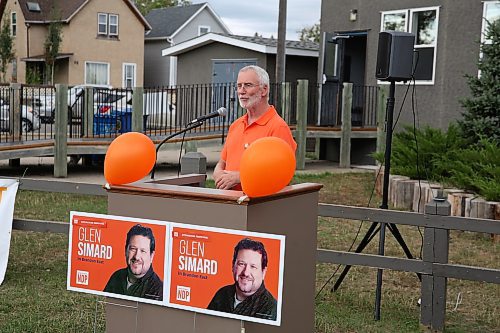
x=187, y=128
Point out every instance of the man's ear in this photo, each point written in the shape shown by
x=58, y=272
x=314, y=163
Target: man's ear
x=264, y=271
x=265, y=90
x=152, y=255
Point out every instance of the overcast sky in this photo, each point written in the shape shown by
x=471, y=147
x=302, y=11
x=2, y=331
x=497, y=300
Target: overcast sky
x=248, y=17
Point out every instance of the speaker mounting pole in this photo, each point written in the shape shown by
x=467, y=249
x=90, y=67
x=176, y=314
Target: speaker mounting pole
x=385, y=192
x=394, y=63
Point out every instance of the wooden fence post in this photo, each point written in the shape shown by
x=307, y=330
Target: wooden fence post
x=301, y=129
x=433, y=289
x=15, y=118
x=88, y=113
x=346, y=127
x=137, y=110
x=61, y=132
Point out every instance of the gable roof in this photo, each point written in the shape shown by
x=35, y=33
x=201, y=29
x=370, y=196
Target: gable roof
x=258, y=44
x=167, y=22
x=67, y=10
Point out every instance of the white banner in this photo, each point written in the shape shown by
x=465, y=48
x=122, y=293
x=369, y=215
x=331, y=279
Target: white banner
x=8, y=190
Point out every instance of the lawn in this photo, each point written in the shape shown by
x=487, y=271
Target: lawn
x=33, y=297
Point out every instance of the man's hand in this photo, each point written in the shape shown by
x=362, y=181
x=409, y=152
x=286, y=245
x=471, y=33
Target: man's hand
x=226, y=180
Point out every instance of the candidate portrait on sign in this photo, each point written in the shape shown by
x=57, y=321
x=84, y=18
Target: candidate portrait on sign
x=138, y=279
x=248, y=295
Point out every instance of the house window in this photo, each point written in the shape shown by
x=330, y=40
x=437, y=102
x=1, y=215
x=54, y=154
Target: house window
x=491, y=14
x=97, y=73
x=203, y=29
x=423, y=22
x=128, y=75
x=13, y=24
x=113, y=25
x=395, y=21
x=107, y=25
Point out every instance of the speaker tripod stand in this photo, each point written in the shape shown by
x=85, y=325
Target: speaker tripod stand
x=373, y=230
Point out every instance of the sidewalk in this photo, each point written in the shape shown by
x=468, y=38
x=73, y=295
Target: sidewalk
x=167, y=166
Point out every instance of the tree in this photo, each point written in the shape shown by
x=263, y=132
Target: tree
x=482, y=116
x=145, y=6
x=6, y=50
x=311, y=33
x=51, y=47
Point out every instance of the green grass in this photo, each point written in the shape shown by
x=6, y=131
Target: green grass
x=33, y=297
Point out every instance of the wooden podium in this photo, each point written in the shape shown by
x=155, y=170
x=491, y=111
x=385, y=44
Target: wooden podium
x=291, y=212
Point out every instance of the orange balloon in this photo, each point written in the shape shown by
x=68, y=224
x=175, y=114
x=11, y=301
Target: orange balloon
x=129, y=158
x=266, y=167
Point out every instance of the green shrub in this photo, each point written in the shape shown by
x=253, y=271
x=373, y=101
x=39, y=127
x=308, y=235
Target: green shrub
x=446, y=157
x=433, y=145
x=476, y=168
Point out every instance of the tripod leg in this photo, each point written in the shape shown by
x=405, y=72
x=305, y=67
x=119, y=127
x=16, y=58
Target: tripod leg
x=364, y=242
x=395, y=232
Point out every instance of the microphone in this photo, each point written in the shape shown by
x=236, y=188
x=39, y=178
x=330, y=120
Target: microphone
x=219, y=112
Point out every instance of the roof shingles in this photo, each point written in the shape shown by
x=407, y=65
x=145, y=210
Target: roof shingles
x=166, y=21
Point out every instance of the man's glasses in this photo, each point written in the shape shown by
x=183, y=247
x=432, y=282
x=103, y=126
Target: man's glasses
x=246, y=85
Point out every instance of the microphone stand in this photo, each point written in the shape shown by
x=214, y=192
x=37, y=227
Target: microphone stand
x=187, y=128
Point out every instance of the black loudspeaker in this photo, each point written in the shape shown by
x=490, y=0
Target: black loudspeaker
x=395, y=56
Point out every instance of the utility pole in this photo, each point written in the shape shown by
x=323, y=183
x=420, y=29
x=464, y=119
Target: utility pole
x=280, y=51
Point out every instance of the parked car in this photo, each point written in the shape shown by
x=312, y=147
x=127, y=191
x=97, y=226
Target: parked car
x=44, y=105
x=29, y=118
x=157, y=107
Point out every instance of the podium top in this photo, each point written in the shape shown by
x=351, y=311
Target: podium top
x=183, y=187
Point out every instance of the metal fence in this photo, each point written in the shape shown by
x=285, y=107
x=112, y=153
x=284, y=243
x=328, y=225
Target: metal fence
x=364, y=105
x=27, y=112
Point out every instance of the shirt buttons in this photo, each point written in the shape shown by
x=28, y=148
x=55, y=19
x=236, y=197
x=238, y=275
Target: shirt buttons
x=245, y=145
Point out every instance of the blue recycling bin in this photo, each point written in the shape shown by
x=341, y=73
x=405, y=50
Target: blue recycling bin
x=123, y=121
x=115, y=122
x=104, y=124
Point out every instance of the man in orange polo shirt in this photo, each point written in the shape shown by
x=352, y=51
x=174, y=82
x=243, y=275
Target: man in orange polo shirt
x=261, y=120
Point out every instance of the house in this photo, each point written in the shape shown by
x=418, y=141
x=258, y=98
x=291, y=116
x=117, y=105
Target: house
x=217, y=58
x=171, y=26
x=446, y=48
x=102, y=41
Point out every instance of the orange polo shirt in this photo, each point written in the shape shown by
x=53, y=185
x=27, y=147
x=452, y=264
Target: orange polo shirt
x=241, y=135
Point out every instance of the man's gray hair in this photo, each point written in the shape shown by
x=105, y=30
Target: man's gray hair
x=261, y=74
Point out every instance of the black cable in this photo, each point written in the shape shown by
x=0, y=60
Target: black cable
x=355, y=237
x=180, y=155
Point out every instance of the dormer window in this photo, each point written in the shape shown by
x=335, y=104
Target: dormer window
x=33, y=7
x=107, y=25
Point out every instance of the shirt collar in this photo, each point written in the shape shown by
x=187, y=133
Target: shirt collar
x=265, y=118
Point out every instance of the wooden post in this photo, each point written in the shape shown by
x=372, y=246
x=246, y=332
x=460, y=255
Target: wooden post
x=61, y=132
x=15, y=111
x=301, y=129
x=137, y=110
x=346, y=126
x=436, y=247
x=286, y=101
x=88, y=113
x=381, y=110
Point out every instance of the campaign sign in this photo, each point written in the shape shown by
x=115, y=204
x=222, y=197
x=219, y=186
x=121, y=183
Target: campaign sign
x=230, y=273
x=116, y=256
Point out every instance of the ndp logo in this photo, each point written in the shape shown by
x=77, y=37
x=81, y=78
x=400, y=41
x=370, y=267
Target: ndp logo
x=183, y=293
x=82, y=277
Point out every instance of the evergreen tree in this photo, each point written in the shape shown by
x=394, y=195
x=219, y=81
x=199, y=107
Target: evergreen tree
x=6, y=51
x=482, y=116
